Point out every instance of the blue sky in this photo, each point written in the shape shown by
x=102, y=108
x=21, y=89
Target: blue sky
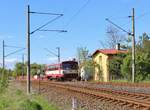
x=86, y=27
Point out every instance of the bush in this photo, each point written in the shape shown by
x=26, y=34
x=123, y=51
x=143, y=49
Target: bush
x=30, y=105
x=16, y=99
x=3, y=83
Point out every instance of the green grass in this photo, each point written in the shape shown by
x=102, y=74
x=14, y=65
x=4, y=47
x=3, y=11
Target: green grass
x=15, y=99
x=146, y=81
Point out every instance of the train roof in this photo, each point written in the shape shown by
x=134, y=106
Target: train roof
x=57, y=64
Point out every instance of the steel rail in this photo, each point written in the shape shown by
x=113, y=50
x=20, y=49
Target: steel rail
x=125, y=100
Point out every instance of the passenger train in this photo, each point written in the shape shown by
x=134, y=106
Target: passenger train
x=66, y=70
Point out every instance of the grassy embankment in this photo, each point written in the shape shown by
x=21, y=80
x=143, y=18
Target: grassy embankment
x=15, y=99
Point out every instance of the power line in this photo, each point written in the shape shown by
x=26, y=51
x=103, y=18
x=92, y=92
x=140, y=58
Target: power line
x=57, y=55
x=28, y=39
x=53, y=30
x=45, y=24
x=50, y=52
x=14, y=52
x=133, y=40
x=77, y=12
x=142, y=15
x=12, y=46
x=46, y=13
x=8, y=54
x=138, y=17
x=125, y=8
x=117, y=26
x=124, y=17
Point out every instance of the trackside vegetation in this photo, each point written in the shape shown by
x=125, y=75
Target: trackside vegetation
x=15, y=99
x=3, y=79
x=121, y=66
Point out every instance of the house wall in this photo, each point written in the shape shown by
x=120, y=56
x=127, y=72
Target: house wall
x=101, y=59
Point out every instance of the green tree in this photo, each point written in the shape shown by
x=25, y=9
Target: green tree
x=18, y=70
x=85, y=61
x=34, y=68
x=142, y=61
x=89, y=67
x=21, y=69
x=115, y=66
x=126, y=69
x=4, y=79
x=82, y=54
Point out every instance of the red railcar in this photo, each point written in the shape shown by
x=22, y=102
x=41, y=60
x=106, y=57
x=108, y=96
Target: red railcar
x=64, y=70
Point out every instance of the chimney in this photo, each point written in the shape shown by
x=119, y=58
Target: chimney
x=118, y=46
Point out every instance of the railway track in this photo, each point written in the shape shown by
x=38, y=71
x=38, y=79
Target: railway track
x=123, y=84
x=135, y=101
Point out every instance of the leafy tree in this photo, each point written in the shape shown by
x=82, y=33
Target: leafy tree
x=34, y=68
x=85, y=61
x=21, y=69
x=126, y=68
x=115, y=66
x=127, y=43
x=89, y=67
x=4, y=79
x=14, y=74
x=82, y=54
x=142, y=61
x=113, y=37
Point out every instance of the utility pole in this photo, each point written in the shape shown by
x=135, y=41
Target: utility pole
x=58, y=54
x=133, y=46
x=3, y=55
x=3, y=72
x=40, y=28
x=22, y=65
x=133, y=40
x=28, y=50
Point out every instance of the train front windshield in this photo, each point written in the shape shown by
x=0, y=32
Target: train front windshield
x=70, y=65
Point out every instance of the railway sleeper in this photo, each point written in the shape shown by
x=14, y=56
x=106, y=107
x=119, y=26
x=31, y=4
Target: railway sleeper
x=87, y=92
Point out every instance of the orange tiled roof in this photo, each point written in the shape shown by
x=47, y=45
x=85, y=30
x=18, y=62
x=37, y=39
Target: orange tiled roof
x=109, y=51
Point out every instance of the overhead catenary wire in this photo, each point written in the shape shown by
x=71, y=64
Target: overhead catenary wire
x=124, y=17
x=138, y=17
x=142, y=15
x=77, y=13
x=117, y=26
x=46, y=24
x=12, y=46
x=14, y=52
x=124, y=7
x=50, y=52
x=53, y=30
x=133, y=40
x=28, y=40
x=44, y=13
